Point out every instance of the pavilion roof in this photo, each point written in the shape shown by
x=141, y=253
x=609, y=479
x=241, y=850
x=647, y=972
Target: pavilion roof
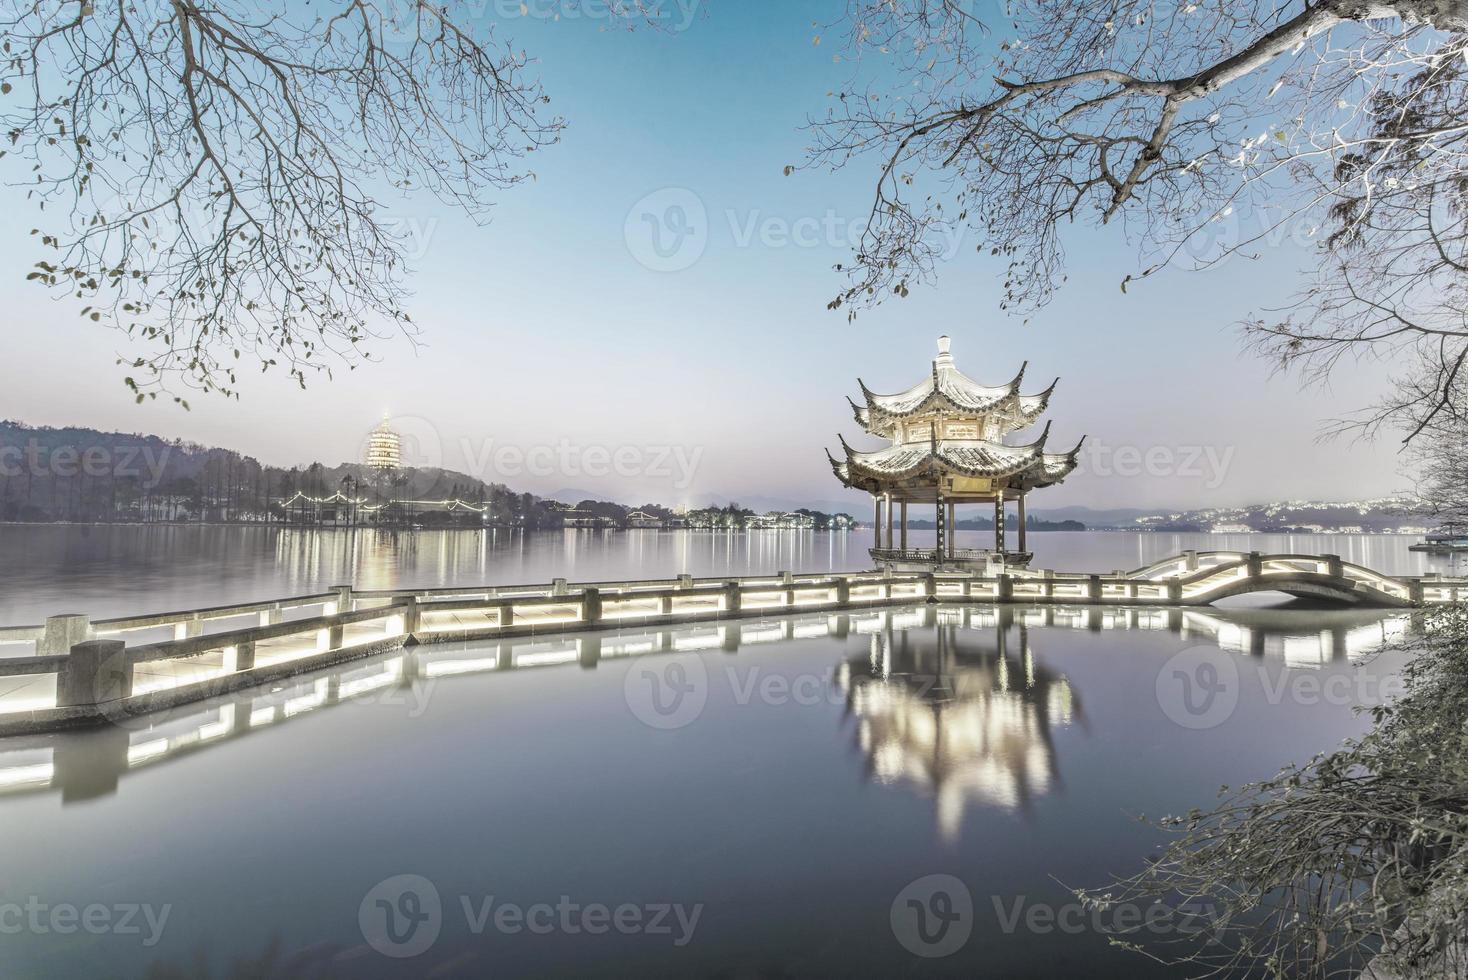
x=1026, y=467
x=949, y=390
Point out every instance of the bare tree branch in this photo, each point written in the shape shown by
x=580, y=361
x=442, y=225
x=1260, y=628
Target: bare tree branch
x=1166, y=117
x=210, y=172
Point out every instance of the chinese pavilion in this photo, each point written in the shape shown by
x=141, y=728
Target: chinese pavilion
x=948, y=448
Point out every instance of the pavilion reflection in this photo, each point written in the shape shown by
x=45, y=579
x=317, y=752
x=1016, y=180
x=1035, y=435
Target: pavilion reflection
x=962, y=713
x=947, y=699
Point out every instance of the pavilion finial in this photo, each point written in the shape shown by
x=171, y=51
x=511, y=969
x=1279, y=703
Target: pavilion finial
x=944, y=344
x=945, y=356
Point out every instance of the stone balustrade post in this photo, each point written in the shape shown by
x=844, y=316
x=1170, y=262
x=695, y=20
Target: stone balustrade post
x=1190, y=560
x=1093, y=588
x=559, y=587
x=1005, y=590
x=843, y=591
x=1175, y=590
x=1255, y=564
x=731, y=597
x=244, y=655
x=344, y=602
x=62, y=633
x=591, y=605
x=95, y=672
x=412, y=615
x=1334, y=567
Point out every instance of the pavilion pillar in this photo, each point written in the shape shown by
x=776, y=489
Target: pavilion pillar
x=942, y=527
x=999, y=523
x=877, y=520
x=1023, y=526
x=952, y=526
x=887, y=502
x=904, y=525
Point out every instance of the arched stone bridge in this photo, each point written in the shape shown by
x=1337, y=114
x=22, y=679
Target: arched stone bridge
x=1204, y=577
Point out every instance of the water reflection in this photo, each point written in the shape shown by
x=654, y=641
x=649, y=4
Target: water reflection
x=962, y=716
x=954, y=702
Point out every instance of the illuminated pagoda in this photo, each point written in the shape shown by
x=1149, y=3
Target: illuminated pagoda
x=384, y=448
x=949, y=446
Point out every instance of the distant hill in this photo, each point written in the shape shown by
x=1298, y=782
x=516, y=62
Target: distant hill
x=1377, y=514
x=78, y=474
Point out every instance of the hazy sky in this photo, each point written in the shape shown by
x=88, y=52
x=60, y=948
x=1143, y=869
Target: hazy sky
x=711, y=361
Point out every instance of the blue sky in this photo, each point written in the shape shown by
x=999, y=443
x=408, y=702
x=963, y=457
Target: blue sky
x=547, y=328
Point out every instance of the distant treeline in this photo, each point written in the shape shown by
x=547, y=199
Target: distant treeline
x=86, y=476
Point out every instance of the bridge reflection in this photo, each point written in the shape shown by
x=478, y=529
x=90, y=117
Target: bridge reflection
x=951, y=699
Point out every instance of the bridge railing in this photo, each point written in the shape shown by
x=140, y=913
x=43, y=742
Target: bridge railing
x=78, y=669
x=82, y=670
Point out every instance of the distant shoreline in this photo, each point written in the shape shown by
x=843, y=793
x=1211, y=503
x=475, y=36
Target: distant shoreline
x=864, y=529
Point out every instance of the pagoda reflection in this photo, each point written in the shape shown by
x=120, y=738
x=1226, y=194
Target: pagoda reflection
x=964, y=716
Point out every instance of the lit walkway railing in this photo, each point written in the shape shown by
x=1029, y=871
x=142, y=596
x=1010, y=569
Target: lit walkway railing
x=35, y=764
x=75, y=671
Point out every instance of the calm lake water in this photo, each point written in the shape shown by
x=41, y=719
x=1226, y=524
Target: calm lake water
x=769, y=798
x=110, y=571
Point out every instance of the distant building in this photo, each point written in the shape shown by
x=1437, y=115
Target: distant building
x=639, y=518
x=384, y=448
x=1231, y=529
x=784, y=521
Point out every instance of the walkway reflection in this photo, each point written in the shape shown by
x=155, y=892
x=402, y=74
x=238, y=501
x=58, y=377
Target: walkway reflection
x=950, y=699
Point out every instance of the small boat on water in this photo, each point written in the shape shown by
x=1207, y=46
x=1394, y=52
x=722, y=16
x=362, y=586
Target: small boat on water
x=1446, y=540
